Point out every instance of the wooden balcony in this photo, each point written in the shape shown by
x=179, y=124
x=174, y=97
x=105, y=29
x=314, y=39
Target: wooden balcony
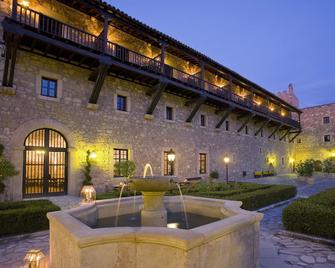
x=41, y=34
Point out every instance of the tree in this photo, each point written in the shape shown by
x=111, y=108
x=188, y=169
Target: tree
x=7, y=169
x=127, y=168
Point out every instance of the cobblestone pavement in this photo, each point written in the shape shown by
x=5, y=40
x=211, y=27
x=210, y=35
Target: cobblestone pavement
x=281, y=251
x=277, y=250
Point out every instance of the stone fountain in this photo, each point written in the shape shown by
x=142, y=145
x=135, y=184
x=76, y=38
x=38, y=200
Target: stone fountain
x=220, y=233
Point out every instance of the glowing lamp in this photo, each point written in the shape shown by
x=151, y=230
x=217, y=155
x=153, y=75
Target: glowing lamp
x=171, y=155
x=258, y=103
x=92, y=155
x=282, y=113
x=271, y=108
x=25, y=3
x=291, y=160
x=226, y=160
x=33, y=258
x=173, y=225
x=88, y=194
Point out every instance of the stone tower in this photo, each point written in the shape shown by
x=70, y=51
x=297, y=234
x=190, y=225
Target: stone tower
x=289, y=96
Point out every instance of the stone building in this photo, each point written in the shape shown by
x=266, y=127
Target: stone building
x=82, y=75
x=317, y=141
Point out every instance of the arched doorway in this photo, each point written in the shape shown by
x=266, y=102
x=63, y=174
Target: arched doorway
x=45, y=163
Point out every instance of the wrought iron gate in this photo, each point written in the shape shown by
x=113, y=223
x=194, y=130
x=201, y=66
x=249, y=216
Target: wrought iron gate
x=45, y=164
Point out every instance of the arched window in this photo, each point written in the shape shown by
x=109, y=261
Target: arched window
x=45, y=163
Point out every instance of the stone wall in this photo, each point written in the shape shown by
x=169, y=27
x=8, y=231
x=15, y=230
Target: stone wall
x=106, y=128
x=312, y=138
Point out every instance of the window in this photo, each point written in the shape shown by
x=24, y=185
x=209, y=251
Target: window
x=168, y=166
x=326, y=120
x=119, y=156
x=262, y=133
x=121, y=103
x=49, y=87
x=169, y=113
x=246, y=130
x=274, y=136
x=203, y=120
x=326, y=138
x=202, y=163
x=282, y=161
x=299, y=140
x=227, y=125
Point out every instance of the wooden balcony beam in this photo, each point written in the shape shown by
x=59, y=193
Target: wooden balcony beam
x=201, y=100
x=264, y=124
x=275, y=130
x=12, y=44
x=157, y=90
x=285, y=134
x=246, y=121
x=227, y=112
x=102, y=72
x=296, y=135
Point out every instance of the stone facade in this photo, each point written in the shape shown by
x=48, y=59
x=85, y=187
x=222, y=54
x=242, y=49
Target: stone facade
x=312, y=142
x=107, y=128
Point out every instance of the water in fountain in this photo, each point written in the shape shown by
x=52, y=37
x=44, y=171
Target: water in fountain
x=146, y=170
x=183, y=203
x=118, y=205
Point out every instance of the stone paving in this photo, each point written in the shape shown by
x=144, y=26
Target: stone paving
x=277, y=249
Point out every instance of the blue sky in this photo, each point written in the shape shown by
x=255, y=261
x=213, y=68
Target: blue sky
x=271, y=42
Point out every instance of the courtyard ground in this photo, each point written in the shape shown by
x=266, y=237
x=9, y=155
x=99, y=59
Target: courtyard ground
x=277, y=249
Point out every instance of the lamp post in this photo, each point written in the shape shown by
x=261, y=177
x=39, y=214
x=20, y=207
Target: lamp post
x=226, y=160
x=171, y=157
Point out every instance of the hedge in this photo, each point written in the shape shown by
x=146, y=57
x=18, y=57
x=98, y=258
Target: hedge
x=24, y=216
x=314, y=215
x=252, y=195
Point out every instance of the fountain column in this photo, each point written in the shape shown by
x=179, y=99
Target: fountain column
x=153, y=212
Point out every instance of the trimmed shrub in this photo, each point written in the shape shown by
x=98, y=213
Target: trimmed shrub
x=214, y=174
x=24, y=216
x=314, y=215
x=305, y=168
x=328, y=166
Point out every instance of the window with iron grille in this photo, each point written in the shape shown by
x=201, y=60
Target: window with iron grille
x=227, y=125
x=203, y=120
x=121, y=103
x=326, y=138
x=49, y=87
x=119, y=155
x=326, y=120
x=169, y=113
x=168, y=166
x=202, y=163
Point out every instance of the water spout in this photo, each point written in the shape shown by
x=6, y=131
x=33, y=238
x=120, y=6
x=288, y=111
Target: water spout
x=118, y=205
x=146, y=169
x=184, y=207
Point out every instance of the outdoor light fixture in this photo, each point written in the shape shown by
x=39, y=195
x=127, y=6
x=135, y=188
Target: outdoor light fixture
x=226, y=160
x=271, y=108
x=25, y=3
x=92, y=155
x=33, y=258
x=171, y=155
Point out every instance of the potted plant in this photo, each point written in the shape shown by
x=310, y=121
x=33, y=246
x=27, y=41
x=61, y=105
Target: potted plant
x=88, y=193
x=127, y=168
x=7, y=170
x=305, y=169
x=328, y=167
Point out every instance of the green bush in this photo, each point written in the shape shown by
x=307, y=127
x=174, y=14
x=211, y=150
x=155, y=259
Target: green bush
x=24, y=216
x=305, y=168
x=7, y=169
x=314, y=215
x=127, y=168
x=328, y=166
x=214, y=174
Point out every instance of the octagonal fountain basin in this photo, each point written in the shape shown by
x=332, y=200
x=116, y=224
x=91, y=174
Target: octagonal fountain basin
x=220, y=234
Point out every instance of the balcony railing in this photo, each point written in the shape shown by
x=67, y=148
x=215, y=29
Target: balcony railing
x=56, y=29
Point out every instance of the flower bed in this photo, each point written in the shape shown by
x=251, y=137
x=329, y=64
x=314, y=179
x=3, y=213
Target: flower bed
x=24, y=216
x=314, y=215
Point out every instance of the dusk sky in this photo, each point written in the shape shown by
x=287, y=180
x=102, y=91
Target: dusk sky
x=272, y=43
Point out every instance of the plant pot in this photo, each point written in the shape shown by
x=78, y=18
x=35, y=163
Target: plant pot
x=88, y=194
